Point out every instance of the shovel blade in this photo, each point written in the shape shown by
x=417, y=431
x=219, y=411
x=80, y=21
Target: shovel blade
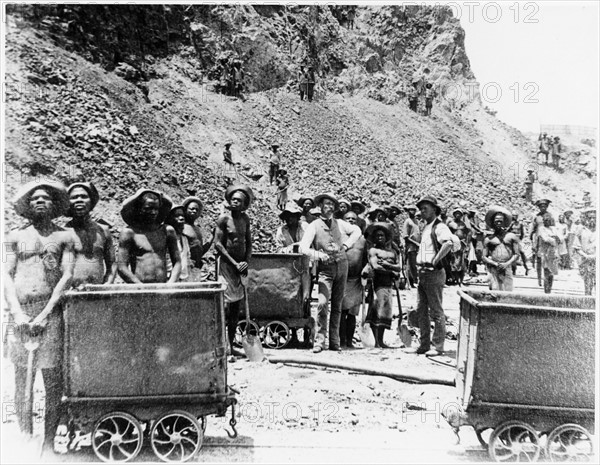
x=366, y=337
x=253, y=348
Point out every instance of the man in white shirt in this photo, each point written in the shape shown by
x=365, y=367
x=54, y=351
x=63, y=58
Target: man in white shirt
x=436, y=243
x=326, y=241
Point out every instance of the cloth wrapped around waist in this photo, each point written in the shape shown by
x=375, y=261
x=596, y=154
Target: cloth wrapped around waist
x=231, y=276
x=49, y=352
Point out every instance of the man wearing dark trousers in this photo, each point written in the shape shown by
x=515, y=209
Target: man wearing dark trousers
x=436, y=243
x=326, y=241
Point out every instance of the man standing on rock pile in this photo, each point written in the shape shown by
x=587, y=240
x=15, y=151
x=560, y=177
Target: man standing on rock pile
x=233, y=242
x=274, y=162
x=326, y=241
x=145, y=241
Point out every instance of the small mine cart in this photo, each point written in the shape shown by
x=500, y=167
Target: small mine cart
x=525, y=368
x=279, y=288
x=147, y=363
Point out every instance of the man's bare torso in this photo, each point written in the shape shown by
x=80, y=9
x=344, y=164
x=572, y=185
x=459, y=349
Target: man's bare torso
x=148, y=255
x=89, y=262
x=39, y=258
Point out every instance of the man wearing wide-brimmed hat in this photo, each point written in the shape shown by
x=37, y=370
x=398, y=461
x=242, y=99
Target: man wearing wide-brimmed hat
x=412, y=239
x=306, y=203
x=384, y=261
x=95, y=263
x=326, y=241
x=146, y=240
x=501, y=249
x=529, y=180
x=343, y=208
x=40, y=258
x=436, y=243
x=288, y=235
x=233, y=242
x=359, y=208
x=585, y=246
x=274, y=162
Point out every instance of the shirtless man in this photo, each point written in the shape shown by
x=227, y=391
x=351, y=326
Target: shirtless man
x=95, y=263
x=383, y=260
x=198, y=247
x=500, y=249
x=460, y=229
x=233, y=242
x=39, y=268
x=144, y=243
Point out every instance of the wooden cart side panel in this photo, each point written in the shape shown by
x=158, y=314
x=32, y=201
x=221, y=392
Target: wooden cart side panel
x=535, y=358
x=462, y=348
x=144, y=345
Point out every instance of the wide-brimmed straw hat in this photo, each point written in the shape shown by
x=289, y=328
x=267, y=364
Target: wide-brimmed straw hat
x=346, y=201
x=410, y=207
x=356, y=204
x=542, y=201
x=131, y=205
x=239, y=188
x=328, y=195
x=89, y=188
x=372, y=213
x=303, y=199
x=191, y=199
x=493, y=211
x=57, y=191
x=289, y=210
x=458, y=209
x=432, y=200
x=372, y=228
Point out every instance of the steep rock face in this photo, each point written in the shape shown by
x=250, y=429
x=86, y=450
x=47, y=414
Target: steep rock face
x=155, y=120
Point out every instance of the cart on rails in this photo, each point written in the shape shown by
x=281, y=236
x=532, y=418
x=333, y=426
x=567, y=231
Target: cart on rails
x=525, y=370
x=145, y=364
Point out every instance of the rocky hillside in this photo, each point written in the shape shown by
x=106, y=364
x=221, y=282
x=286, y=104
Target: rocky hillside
x=124, y=96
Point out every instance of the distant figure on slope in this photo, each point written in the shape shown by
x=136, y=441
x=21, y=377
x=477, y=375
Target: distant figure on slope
x=274, y=161
x=429, y=93
x=302, y=80
x=237, y=79
x=413, y=98
x=282, y=181
x=529, y=180
x=351, y=16
x=544, y=147
x=557, y=148
x=310, y=83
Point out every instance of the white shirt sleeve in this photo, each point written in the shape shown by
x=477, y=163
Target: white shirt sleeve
x=351, y=230
x=307, y=240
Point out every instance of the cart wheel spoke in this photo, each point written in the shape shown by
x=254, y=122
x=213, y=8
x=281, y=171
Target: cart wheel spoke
x=103, y=443
x=182, y=451
x=129, y=441
x=124, y=452
x=104, y=432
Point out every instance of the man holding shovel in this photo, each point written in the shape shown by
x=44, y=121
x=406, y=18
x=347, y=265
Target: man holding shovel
x=233, y=242
x=40, y=258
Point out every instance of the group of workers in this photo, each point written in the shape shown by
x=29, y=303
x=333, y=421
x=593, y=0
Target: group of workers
x=162, y=242
x=550, y=146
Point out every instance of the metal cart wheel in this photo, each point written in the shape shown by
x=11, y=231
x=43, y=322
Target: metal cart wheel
x=569, y=443
x=240, y=332
x=176, y=437
x=117, y=437
x=483, y=436
x=276, y=335
x=514, y=441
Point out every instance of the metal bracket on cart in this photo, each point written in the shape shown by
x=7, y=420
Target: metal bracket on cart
x=232, y=423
